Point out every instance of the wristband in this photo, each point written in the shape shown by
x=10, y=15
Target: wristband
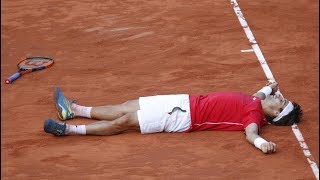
x=267, y=90
x=258, y=142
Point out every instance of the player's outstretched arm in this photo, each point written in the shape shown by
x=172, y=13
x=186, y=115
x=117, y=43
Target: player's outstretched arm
x=253, y=137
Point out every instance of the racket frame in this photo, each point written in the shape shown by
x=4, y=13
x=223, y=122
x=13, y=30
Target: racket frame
x=22, y=71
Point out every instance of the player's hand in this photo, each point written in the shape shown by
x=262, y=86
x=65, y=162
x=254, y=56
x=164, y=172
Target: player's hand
x=268, y=147
x=274, y=86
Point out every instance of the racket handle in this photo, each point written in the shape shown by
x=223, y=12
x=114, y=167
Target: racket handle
x=13, y=78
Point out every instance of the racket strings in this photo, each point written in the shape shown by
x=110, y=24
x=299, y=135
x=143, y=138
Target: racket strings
x=34, y=63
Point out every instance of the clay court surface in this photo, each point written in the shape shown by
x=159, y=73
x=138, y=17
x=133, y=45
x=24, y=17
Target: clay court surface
x=107, y=52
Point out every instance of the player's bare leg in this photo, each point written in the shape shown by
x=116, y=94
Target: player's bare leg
x=126, y=122
x=109, y=112
x=69, y=109
x=114, y=111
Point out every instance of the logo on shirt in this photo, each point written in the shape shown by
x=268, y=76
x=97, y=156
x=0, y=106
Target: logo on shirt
x=254, y=98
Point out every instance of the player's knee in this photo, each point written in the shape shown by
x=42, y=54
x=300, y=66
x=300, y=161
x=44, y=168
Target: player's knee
x=126, y=121
x=122, y=121
x=126, y=103
x=130, y=106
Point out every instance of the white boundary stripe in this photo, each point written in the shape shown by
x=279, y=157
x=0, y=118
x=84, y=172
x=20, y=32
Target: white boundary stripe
x=270, y=77
x=247, y=50
x=306, y=151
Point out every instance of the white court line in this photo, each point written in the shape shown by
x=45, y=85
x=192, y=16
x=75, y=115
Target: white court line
x=270, y=78
x=247, y=50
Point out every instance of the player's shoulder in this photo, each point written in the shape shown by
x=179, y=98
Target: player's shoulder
x=253, y=103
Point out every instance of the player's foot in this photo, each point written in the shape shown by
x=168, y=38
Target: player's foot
x=63, y=105
x=54, y=127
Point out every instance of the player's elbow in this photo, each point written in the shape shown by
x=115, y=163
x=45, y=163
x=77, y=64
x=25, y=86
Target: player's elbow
x=251, y=132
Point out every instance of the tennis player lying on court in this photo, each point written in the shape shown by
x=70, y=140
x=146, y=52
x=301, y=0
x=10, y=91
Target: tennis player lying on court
x=182, y=113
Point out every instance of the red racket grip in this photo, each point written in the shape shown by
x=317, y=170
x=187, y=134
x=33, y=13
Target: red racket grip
x=13, y=78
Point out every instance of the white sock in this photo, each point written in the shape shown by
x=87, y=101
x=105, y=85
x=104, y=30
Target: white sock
x=75, y=129
x=82, y=111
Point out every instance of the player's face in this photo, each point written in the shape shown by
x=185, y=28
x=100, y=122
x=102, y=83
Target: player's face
x=275, y=104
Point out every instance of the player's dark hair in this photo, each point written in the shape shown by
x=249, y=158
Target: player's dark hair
x=293, y=117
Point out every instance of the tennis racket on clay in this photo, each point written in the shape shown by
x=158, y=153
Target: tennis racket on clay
x=30, y=64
